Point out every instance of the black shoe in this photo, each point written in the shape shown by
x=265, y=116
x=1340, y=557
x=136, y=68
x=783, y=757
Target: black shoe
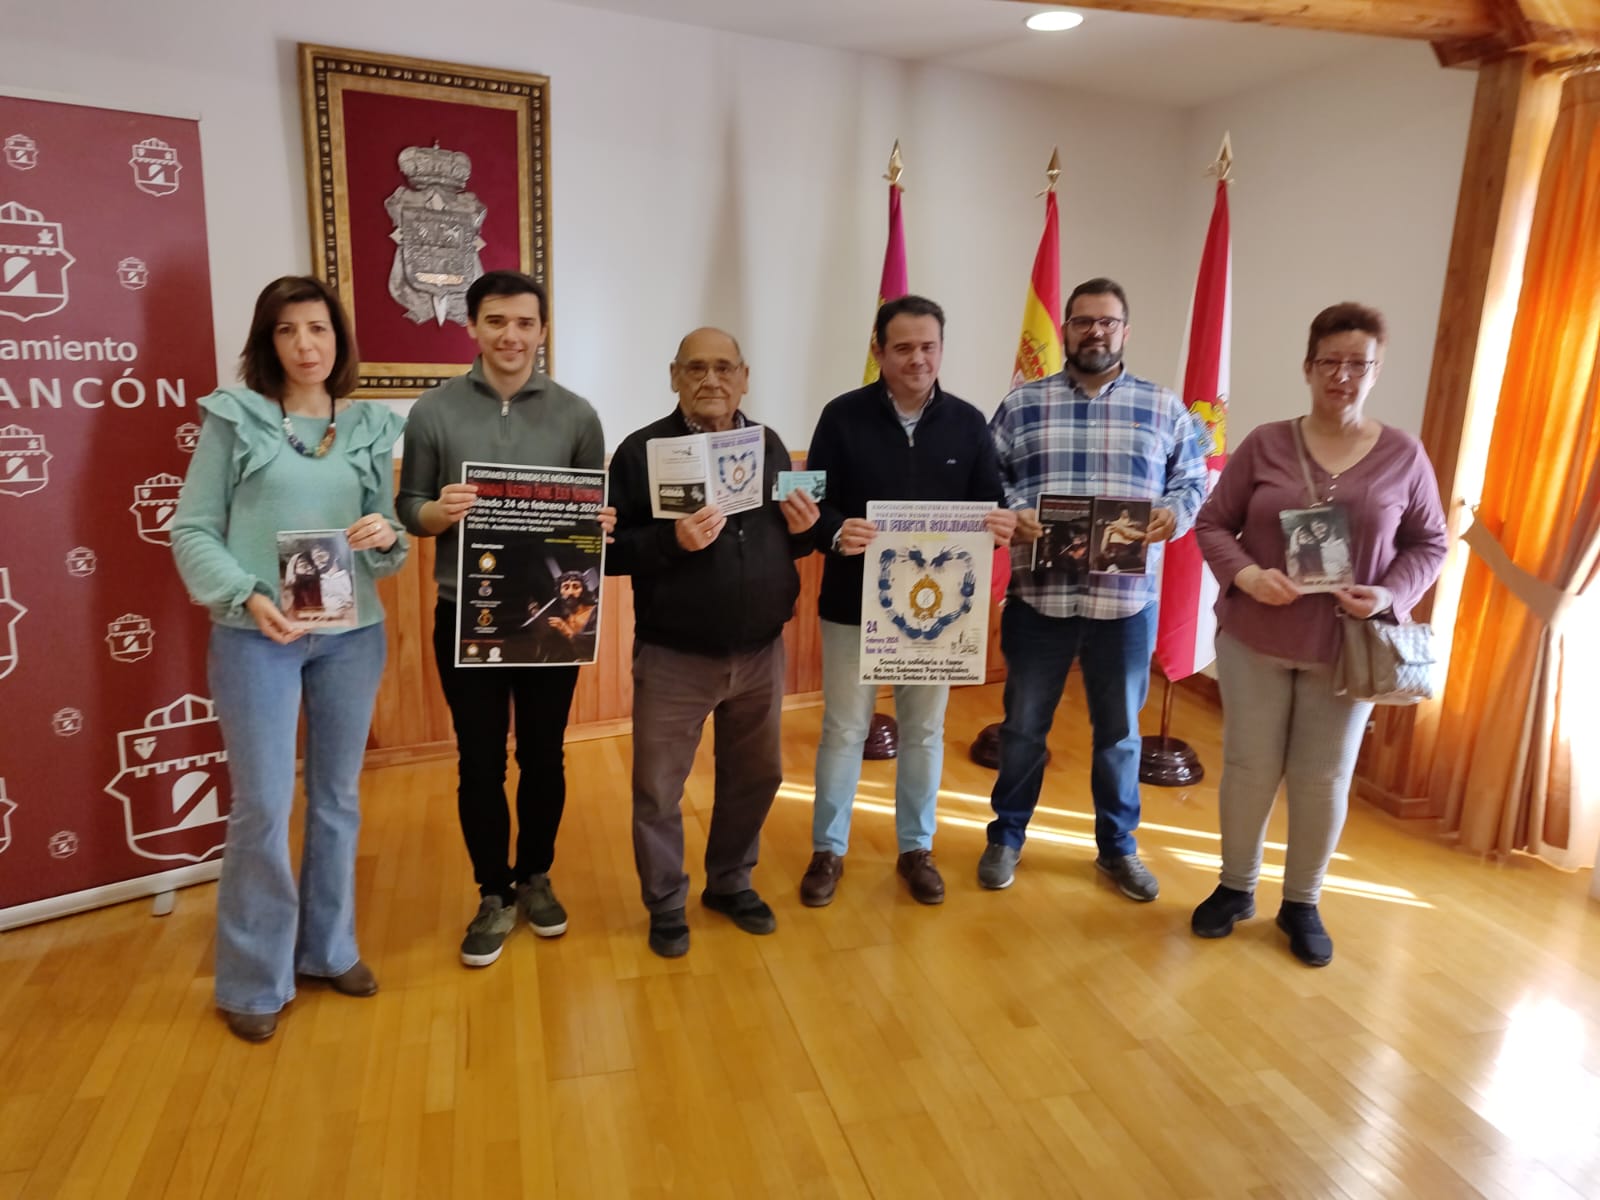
x=746, y=909
x=669, y=933
x=1308, y=940
x=1218, y=911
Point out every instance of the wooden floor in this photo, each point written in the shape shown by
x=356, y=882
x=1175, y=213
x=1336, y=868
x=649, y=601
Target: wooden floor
x=1050, y=1040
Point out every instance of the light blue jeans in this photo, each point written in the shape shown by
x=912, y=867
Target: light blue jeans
x=846, y=718
x=267, y=930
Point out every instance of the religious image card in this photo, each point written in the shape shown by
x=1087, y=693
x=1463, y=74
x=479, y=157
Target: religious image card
x=532, y=558
x=1063, y=547
x=1117, y=543
x=1316, y=547
x=925, y=593
x=316, y=578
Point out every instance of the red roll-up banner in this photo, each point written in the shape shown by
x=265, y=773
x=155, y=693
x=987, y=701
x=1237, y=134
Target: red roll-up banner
x=113, y=779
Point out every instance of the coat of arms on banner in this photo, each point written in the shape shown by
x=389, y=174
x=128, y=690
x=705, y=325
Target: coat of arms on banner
x=22, y=152
x=24, y=461
x=62, y=844
x=154, y=503
x=80, y=562
x=7, y=806
x=33, y=263
x=155, y=167
x=10, y=613
x=130, y=638
x=188, y=436
x=133, y=274
x=173, y=782
x=436, y=227
x=66, y=722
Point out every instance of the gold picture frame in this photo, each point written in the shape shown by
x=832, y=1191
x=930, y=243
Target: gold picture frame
x=421, y=174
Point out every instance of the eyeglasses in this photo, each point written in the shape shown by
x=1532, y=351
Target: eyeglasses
x=1329, y=368
x=697, y=370
x=1084, y=324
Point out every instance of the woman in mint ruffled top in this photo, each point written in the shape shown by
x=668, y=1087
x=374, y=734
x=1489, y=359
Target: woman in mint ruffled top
x=289, y=451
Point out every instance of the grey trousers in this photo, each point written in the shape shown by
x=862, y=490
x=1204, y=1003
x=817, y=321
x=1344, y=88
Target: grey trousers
x=673, y=693
x=1281, y=722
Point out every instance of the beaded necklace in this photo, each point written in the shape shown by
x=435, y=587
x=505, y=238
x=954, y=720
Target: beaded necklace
x=325, y=444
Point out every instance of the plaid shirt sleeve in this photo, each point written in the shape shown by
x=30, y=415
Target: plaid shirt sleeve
x=1186, y=468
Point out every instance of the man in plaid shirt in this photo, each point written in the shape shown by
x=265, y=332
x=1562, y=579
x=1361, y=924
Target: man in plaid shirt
x=1094, y=430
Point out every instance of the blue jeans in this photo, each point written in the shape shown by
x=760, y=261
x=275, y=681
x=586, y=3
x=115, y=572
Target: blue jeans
x=267, y=931
x=1115, y=659
x=846, y=718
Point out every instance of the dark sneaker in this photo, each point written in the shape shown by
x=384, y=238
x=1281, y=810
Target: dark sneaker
x=745, y=909
x=921, y=876
x=998, y=866
x=1218, y=911
x=669, y=933
x=1132, y=877
x=488, y=931
x=536, y=900
x=821, y=878
x=1308, y=940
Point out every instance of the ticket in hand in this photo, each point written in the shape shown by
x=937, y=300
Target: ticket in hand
x=812, y=483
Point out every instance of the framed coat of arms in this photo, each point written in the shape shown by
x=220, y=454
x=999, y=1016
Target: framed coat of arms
x=422, y=176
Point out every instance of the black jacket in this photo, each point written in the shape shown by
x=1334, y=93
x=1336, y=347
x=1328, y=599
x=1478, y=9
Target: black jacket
x=861, y=444
x=733, y=596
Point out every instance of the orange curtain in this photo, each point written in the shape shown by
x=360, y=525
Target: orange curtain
x=1519, y=690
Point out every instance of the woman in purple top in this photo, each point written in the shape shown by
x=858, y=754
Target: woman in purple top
x=1276, y=645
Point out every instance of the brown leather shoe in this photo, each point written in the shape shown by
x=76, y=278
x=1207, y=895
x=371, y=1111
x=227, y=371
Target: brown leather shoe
x=252, y=1027
x=820, y=879
x=916, y=867
x=357, y=981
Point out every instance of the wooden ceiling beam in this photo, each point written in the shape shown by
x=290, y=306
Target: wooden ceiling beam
x=1425, y=20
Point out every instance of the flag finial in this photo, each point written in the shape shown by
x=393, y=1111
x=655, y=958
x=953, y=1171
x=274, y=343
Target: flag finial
x=1052, y=172
x=897, y=166
x=1222, y=168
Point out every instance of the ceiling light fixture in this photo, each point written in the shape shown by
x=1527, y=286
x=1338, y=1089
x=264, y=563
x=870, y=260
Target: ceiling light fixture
x=1054, y=21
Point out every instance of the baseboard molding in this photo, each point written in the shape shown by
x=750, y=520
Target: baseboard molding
x=1406, y=808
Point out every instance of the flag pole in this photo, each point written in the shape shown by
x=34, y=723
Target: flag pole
x=1166, y=761
x=985, y=749
x=883, y=731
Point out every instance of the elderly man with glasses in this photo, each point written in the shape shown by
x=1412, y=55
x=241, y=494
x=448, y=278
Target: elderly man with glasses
x=1092, y=430
x=711, y=594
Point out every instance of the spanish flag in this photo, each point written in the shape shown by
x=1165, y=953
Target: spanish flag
x=893, y=284
x=1039, y=353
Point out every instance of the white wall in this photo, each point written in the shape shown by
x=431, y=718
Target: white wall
x=698, y=177
x=701, y=177
x=1346, y=190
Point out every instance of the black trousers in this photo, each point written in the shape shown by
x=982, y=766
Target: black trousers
x=481, y=701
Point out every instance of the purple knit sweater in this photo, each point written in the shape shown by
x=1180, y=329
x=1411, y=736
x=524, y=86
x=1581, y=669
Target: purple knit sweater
x=1397, y=534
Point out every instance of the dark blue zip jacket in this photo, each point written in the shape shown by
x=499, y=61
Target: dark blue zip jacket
x=861, y=444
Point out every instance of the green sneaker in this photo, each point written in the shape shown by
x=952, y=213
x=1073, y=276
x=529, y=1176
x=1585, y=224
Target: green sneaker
x=537, y=901
x=488, y=931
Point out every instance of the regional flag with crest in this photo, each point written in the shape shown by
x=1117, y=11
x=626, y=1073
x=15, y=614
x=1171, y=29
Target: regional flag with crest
x=1186, y=634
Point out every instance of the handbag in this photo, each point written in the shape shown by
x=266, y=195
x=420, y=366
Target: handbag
x=1386, y=661
x=1381, y=660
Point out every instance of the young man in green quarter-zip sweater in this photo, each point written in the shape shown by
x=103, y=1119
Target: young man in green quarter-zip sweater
x=500, y=411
